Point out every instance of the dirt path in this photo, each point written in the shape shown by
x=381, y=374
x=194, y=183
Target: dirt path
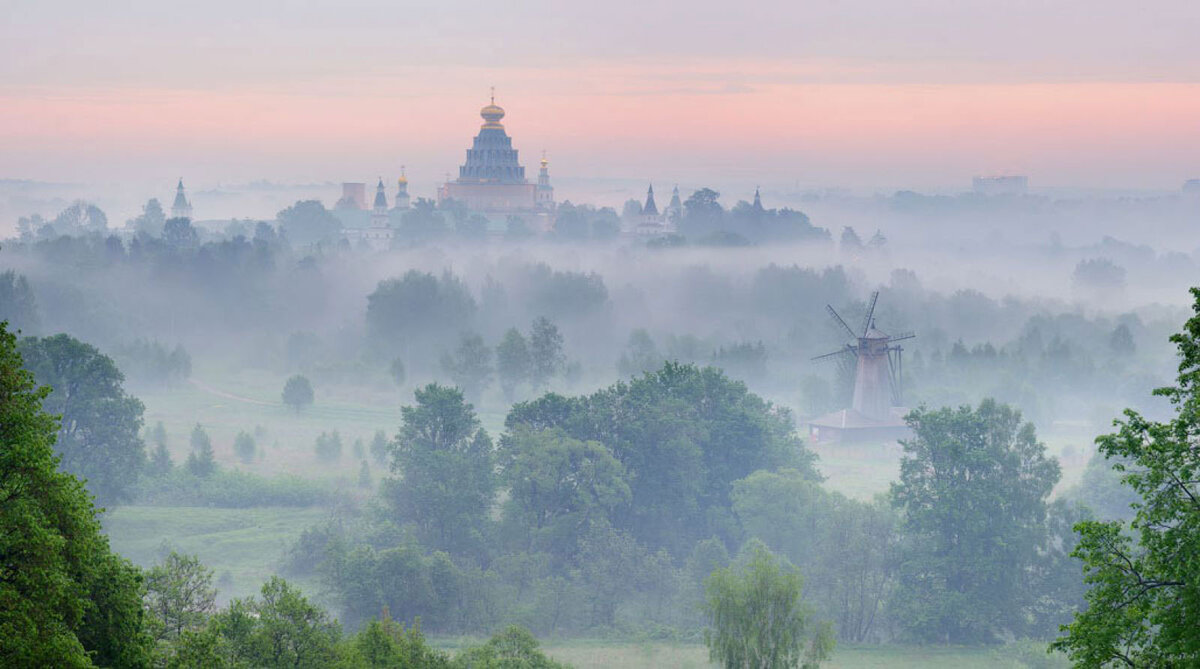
x=221, y=393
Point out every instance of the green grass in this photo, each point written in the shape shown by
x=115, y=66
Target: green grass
x=242, y=546
x=588, y=654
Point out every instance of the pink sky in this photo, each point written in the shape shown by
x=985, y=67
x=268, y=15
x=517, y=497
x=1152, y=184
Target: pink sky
x=887, y=95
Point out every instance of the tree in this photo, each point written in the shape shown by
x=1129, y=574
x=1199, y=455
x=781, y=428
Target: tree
x=513, y=362
x=414, y=314
x=641, y=355
x=513, y=648
x=684, y=434
x=308, y=222
x=444, y=463
x=557, y=487
x=757, y=619
x=160, y=458
x=180, y=234
x=179, y=595
x=379, y=447
x=702, y=213
x=387, y=644
x=298, y=393
x=973, y=488
x=396, y=370
x=545, y=352
x=1142, y=608
x=65, y=595
x=99, y=436
x=279, y=629
x=80, y=218
x=329, y=447
x=201, y=461
x=364, y=475
x=471, y=365
x=244, y=447
x=18, y=307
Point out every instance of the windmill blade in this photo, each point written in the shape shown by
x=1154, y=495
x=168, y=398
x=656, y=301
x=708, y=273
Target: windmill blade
x=849, y=350
x=839, y=319
x=870, y=313
x=902, y=336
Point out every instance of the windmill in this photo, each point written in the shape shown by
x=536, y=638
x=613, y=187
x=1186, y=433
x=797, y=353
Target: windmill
x=878, y=365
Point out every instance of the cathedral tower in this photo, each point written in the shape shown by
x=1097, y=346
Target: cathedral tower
x=181, y=208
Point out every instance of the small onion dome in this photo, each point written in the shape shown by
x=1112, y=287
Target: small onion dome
x=402, y=180
x=492, y=114
x=544, y=162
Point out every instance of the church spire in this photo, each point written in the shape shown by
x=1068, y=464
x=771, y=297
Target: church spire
x=757, y=201
x=181, y=208
x=650, y=209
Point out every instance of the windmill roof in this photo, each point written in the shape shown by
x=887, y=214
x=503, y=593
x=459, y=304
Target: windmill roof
x=874, y=333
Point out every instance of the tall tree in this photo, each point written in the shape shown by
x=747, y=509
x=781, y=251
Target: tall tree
x=757, y=618
x=201, y=461
x=179, y=595
x=973, y=487
x=545, y=352
x=1143, y=608
x=470, y=367
x=99, y=436
x=17, y=304
x=444, y=465
x=512, y=362
x=298, y=392
x=63, y=593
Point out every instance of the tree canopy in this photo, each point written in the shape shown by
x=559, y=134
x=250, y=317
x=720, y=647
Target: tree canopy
x=99, y=431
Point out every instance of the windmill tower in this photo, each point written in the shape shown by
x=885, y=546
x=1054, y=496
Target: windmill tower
x=878, y=365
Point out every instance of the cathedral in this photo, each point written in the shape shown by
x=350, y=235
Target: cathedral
x=492, y=180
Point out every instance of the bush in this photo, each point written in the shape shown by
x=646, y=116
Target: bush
x=244, y=447
x=230, y=490
x=329, y=447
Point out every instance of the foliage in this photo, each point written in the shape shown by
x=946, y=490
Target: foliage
x=546, y=358
x=151, y=362
x=973, y=487
x=298, y=392
x=179, y=595
x=308, y=222
x=557, y=487
x=846, y=547
x=443, y=463
x=244, y=447
x=63, y=594
x=757, y=619
x=1143, y=607
x=413, y=314
x=329, y=447
x=397, y=372
x=379, y=447
x=201, y=462
x=230, y=489
x=683, y=434
x=98, y=438
x=513, y=648
x=513, y=362
x=387, y=644
x=18, y=306
x=470, y=367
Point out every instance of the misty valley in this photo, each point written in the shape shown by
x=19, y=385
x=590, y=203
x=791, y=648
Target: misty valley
x=752, y=436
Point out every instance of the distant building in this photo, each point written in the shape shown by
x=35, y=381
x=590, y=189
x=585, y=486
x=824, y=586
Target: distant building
x=1001, y=185
x=652, y=222
x=402, y=201
x=181, y=208
x=492, y=181
x=354, y=196
x=1192, y=187
x=545, y=192
x=674, y=210
x=379, y=235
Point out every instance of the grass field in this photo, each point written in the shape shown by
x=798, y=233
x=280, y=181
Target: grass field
x=609, y=654
x=243, y=547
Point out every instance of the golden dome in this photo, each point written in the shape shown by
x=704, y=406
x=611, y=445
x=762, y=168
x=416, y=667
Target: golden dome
x=492, y=113
x=402, y=180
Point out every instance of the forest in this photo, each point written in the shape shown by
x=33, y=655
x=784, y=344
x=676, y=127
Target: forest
x=252, y=445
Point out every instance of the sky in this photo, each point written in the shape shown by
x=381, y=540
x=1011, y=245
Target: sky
x=858, y=94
